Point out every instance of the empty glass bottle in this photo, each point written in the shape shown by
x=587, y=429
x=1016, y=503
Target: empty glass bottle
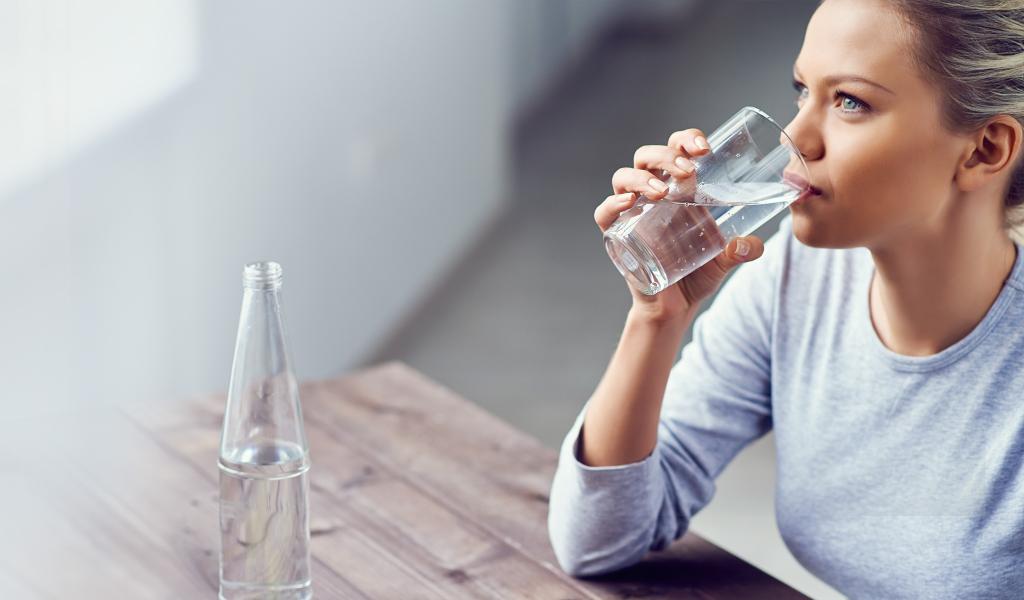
x=264, y=456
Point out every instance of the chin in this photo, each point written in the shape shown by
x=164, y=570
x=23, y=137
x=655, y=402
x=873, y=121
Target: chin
x=811, y=232
x=806, y=231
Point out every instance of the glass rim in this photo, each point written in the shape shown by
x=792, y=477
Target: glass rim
x=796, y=149
x=803, y=171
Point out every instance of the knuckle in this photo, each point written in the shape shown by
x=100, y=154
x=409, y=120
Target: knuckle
x=721, y=268
x=641, y=152
x=683, y=134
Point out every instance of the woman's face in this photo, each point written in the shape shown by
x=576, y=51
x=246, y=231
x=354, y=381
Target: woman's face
x=884, y=163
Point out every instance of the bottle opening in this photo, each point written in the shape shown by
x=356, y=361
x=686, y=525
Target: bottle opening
x=263, y=275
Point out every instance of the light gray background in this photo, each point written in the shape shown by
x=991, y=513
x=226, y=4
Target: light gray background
x=425, y=172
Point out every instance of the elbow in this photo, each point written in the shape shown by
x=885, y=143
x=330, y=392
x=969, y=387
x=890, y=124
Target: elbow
x=580, y=557
x=579, y=565
x=583, y=552
x=578, y=569
x=571, y=565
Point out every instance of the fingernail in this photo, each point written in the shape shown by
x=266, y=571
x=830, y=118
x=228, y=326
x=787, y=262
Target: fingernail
x=684, y=164
x=657, y=184
x=702, y=143
x=742, y=247
x=626, y=198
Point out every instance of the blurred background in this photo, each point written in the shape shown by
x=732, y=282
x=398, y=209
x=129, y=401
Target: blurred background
x=425, y=172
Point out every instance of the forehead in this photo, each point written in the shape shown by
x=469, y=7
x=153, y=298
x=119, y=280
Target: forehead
x=863, y=37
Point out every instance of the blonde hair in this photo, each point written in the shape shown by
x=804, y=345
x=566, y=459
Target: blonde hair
x=973, y=50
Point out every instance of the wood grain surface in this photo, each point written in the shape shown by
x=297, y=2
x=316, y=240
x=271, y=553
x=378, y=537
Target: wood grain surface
x=415, y=493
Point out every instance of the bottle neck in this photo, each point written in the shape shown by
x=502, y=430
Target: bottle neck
x=263, y=409
x=262, y=276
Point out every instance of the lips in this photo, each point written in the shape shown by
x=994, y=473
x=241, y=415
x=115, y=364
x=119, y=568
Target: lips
x=799, y=182
x=804, y=195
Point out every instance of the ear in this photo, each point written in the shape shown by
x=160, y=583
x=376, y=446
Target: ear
x=990, y=154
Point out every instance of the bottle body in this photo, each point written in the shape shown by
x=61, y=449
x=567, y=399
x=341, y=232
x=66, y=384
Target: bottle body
x=264, y=457
x=265, y=524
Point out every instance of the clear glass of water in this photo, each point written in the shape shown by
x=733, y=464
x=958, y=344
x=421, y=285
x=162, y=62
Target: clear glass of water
x=753, y=172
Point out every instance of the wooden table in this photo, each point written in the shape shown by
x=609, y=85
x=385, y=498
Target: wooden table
x=415, y=493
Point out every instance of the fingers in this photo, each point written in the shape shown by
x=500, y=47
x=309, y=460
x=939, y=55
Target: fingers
x=691, y=141
x=606, y=212
x=639, y=181
x=652, y=166
x=654, y=158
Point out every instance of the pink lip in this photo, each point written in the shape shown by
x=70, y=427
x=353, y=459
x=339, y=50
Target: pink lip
x=799, y=182
x=805, y=194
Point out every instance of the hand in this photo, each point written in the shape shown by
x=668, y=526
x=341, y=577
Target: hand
x=651, y=166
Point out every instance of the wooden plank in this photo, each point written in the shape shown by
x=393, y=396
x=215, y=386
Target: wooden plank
x=422, y=529
x=385, y=537
x=499, y=477
x=205, y=504
x=92, y=518
x=102, y=510
x=416, y=492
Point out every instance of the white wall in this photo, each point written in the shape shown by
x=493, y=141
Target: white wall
x=362, y=145
x=551, y=35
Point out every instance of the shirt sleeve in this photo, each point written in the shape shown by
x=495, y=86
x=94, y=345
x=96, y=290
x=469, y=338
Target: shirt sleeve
x=717, y=401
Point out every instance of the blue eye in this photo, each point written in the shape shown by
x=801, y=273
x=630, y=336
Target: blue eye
x=856, y=106
x=849, y=98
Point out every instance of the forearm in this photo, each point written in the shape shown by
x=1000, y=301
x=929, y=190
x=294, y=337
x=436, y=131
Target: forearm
x=621, y=422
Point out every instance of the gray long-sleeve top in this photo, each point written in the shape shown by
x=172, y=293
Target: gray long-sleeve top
x=898, y=476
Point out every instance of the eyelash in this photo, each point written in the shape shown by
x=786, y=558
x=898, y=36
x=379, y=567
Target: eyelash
x=839, y=94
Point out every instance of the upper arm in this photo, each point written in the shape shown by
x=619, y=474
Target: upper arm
x=718, y=396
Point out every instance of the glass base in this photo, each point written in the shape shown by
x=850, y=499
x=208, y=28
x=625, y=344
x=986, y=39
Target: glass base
x=636, y=263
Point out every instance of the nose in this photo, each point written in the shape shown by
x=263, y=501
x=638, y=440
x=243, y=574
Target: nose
x=805, y=135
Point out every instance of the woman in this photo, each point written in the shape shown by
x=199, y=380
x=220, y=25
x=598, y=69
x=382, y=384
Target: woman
x=880, y=337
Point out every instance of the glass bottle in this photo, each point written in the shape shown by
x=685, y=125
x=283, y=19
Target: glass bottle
x=264, y=456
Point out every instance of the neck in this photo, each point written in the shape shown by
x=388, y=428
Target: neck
x=932, y=288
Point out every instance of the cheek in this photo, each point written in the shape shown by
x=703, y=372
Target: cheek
x=887, y=180
x=864, y=186
x=884, y=176
x=879, y=178
x=869, y=175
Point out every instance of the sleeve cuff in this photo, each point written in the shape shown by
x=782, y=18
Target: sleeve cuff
x=642, y=473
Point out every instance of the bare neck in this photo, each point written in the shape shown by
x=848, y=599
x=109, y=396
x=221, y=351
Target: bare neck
x=932, y=289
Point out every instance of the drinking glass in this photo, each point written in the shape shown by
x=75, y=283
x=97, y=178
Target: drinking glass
x=753, y=172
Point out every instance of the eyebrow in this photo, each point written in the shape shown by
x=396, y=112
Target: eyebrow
x=832, y=80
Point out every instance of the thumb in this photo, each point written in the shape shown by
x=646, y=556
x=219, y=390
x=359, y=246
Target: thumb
x=703, y=282
x=738, y=251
